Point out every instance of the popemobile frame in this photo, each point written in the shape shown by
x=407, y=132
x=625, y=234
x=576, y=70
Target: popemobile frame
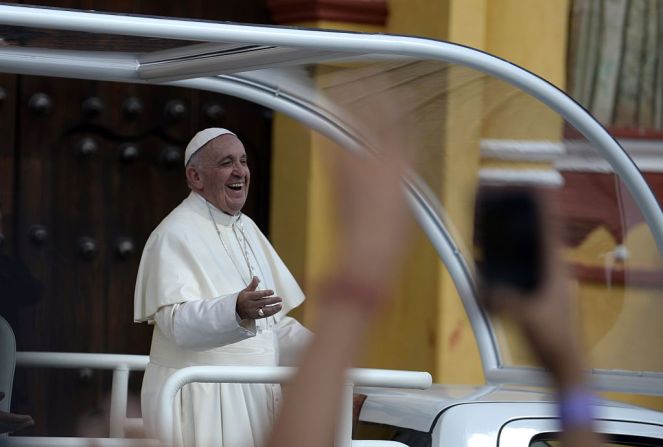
x=213, y=65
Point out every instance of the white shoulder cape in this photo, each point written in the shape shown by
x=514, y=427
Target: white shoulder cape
x=184, y=260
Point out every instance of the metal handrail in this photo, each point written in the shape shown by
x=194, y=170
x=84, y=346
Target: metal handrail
x=121, y=364
x=280, y=374
x=81, y=360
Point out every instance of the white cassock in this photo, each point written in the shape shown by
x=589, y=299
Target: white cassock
x=189, y=278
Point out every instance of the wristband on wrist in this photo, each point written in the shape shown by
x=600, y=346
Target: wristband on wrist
x=576, y=408
x=353, y=292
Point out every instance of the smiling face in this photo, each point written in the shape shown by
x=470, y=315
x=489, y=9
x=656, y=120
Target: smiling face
x=219, y=172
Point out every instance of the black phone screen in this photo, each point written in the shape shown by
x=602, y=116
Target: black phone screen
x=508, y=238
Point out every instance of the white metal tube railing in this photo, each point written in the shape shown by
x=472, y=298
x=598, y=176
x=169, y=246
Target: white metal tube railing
x=43, y=441
x=56, y=441
x=81, y=360
x=119, y=397
x=121, y=364
x=277, y=374
x=344, y=427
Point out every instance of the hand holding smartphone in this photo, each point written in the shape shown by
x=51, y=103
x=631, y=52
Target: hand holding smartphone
x=508, y=238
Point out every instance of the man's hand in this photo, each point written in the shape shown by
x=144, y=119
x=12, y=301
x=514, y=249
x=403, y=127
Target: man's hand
x=255, y=304
x=10, y=422
x=545, y=315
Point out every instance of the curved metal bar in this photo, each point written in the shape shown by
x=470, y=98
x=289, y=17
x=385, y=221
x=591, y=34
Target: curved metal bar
x=100, y=66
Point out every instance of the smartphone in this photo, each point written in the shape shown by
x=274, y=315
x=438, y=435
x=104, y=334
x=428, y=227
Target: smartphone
x=508, y=238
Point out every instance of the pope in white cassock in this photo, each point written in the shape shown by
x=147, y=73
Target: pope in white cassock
x=218, y=294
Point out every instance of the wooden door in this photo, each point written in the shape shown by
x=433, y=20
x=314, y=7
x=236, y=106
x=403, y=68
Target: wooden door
x=89, y=169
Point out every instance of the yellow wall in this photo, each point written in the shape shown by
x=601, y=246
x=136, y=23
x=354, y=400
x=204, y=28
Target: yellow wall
x=532, y=34
x=457, y=356
x=426, y=327
x=423, y=18
x=621, y=322
x=301, y=223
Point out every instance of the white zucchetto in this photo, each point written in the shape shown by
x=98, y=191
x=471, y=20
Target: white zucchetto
x=201, y=139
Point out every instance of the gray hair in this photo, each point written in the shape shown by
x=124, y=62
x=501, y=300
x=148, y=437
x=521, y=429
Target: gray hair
x=194, y=162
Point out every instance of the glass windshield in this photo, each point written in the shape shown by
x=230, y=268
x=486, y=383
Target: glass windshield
x=469, y=130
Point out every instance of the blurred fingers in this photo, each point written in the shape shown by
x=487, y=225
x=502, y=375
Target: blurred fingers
x=271, y=300
x=260, y=295
x=253, y=284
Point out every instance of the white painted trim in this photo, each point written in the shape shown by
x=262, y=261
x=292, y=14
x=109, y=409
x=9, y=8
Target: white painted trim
x=582, y=156
x=522, y=150
x=537, y=177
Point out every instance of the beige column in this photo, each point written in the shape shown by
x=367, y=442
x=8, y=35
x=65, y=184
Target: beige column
x=301, y=222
